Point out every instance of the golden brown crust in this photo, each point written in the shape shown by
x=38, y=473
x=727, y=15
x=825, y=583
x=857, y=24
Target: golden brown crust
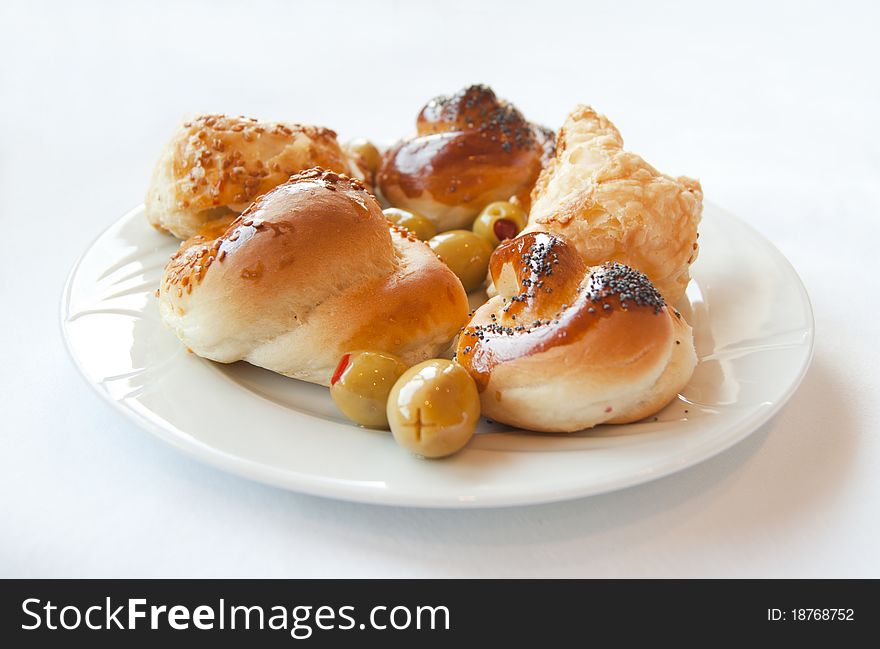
x=216, y=163
x=469, y=149
x=675, y=376
x=309, y=272
x=564, y=347
x=614, y=206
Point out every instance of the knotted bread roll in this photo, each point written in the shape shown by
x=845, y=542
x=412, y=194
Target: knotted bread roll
x=469, y=150
x=564, y=346
x=310, y=271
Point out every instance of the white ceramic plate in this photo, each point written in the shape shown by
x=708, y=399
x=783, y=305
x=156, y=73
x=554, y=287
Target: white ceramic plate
x=750, y=313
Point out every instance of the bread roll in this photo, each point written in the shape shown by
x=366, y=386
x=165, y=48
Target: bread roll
x=564, y=346
x=215, y=166
x=469, y=150
x=614, y=206
x=310, y=271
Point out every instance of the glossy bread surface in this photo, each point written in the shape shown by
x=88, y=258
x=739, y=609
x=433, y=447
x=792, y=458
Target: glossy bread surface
x=469, y=150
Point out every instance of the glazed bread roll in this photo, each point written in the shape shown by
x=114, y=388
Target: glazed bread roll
x=215, y=166
x=311, y=271
x=614, y=206
x=564, y=346
x=469, y=150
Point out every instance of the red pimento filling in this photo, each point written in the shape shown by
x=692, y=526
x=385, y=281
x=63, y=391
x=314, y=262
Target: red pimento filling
x=504, y=229
x=340, y=368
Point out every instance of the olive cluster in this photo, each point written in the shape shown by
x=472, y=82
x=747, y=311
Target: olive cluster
x=466, y=252
x=431, y=408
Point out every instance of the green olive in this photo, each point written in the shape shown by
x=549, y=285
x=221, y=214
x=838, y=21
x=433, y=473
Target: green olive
x=365, y=152
x=499, y=221
x=419, y=225
x=433, y=408
x=361, y=383
x=466, y=254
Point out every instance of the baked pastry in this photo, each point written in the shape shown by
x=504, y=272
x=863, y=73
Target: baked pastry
x=564, y=346
x=469, y=150
x=215, y=166
x=614, y=206
x=312, y=270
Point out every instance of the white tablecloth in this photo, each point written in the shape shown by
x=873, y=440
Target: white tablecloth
x=774, y=106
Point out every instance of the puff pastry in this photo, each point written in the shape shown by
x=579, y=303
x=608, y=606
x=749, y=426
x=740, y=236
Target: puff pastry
x=614, y=206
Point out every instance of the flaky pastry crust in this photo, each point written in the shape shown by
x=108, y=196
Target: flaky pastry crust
x=614, y=206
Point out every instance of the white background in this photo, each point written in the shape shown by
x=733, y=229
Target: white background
x=774, y=106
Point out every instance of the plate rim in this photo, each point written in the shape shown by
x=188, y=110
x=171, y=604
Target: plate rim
x=335, y=488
